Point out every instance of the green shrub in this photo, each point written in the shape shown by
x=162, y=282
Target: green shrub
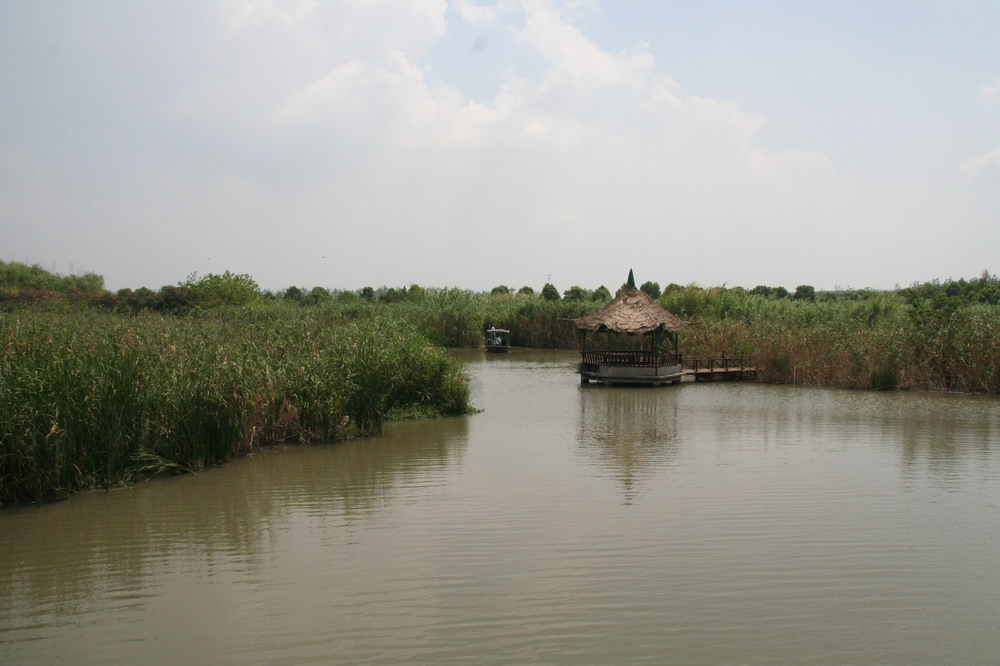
x=213, y=290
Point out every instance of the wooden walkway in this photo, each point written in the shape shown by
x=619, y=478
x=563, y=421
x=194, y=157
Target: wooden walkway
x=719, y=368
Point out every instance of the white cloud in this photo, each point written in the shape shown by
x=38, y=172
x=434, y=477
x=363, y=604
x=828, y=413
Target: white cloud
x=595, y=141
x=991, y=92
x=482, y=15
x=341, y=90
x=323, y=117
x=244, y=13
x=975, y=166
x=576, y=64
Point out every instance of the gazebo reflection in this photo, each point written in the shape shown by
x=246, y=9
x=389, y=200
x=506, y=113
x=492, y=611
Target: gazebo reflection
x=630, y=434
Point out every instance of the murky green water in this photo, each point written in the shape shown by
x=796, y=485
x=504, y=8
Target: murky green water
x=714, y=523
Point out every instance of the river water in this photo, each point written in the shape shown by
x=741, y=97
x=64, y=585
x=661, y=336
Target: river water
x=708, y=523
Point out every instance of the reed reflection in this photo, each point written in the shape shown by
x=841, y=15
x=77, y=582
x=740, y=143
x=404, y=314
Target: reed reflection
x=944, y=433
x=106, y=553
x=629, y=432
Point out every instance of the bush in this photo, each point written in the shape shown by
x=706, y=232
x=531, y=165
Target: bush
x=213, y=290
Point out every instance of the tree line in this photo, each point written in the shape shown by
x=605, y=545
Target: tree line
x=26, y=285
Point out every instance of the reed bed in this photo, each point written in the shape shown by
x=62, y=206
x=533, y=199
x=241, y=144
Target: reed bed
x=535, y=322
x=867, y=340
x=878, y=343
x=95, y=399
x=448, y=317
x=457, y=318
x=90, y=397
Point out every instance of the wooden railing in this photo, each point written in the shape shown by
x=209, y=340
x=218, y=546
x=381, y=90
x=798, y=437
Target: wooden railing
x=632, y=359
x=635, y=359
x=722, y=362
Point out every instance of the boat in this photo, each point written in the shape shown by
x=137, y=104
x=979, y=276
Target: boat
x=497, y=340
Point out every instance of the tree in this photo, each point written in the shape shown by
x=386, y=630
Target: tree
x=318, y=295
x=416, y=293
x=601, y=294
x=88, y=283
x=575, y=293
x=213, y=289
x=804, y=292
x=500, y=290
x=526, y=291
x=176, y=300
x=393, y=295
x=549, y=292
x=367, y=294
x=652, y=289
x=15, y=275
x=293, y=294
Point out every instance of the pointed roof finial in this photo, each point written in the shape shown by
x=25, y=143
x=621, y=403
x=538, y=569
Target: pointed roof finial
x=631, y=279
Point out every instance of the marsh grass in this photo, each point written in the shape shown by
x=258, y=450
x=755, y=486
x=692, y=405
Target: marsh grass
x=865, y=340
x=535, y=322
x=879, y=343
x=95, y=399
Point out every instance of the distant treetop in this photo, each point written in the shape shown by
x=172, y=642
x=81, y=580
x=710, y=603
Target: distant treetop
x=15, y=275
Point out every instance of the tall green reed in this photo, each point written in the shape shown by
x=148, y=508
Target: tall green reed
x=89, y=398
x=880, y=342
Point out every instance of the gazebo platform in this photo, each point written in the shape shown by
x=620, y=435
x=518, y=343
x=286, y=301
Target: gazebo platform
x=630, y=367
x=645, y=368
x=640, y=341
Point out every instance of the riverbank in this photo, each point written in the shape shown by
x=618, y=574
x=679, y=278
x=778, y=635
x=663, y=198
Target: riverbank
x=99, y=391
x=719, y=523
x=92, y=399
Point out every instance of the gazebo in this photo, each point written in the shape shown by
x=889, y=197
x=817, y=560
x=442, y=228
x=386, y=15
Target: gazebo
x=640, y=341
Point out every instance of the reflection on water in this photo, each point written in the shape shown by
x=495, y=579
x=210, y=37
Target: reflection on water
x=630, y=432
x=562, y=524
x=109, y=554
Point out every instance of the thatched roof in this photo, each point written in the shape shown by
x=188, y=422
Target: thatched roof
x=631, y=311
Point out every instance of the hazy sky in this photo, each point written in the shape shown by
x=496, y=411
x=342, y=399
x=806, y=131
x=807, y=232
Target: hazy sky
x=470, y=144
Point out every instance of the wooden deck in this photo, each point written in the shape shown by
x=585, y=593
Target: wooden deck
x=719, y=368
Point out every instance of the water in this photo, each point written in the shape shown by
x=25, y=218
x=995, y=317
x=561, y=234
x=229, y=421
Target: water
x=563, y=524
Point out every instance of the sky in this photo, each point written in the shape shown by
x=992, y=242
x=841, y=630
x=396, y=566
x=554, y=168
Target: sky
x=458, y=143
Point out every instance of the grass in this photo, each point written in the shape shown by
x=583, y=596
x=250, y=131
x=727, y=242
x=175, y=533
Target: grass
x=90, y=397
x=880, y=342
x=863, y=340
x=95, y=399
